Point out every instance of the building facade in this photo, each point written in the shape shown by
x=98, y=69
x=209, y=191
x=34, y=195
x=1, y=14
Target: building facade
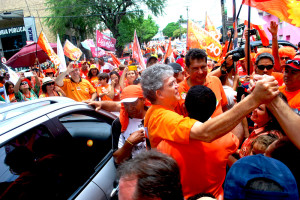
x=22, y=21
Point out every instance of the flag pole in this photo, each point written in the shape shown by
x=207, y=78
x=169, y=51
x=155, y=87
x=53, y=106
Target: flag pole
x=249, y=48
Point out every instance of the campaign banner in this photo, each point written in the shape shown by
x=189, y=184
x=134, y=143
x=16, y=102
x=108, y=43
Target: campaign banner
x=97, y=52
x=44, y=44
x=200, y=38
x=105, y=42
x=136, y=51
x=71, y=51
x=209, y=26
x=29, y=23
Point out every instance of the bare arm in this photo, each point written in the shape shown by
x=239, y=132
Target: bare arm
x=111, y=106
x=122, y=79
x=274, y=30
x=218, y=72
x=265, y=90
x=111, y=92
x=287, y=118
x=94, y=96
x=246, y=53
x=60, y=78
x=124, y=152
x=17, y=86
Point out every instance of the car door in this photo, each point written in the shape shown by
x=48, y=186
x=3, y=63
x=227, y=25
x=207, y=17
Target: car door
x=90, y=133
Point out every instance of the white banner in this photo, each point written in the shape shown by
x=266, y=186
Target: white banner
x=30, y=29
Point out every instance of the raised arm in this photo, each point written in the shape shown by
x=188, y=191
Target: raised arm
x=273, y=29
x=287, y=118
x=60, y=78
x=122, y=79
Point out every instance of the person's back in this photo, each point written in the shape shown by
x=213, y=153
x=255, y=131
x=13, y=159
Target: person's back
x=202, y=165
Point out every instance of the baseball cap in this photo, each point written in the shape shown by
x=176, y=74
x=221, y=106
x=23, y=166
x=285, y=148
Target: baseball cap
x=295, y=63
x=131, y=93
x=93, y=66
x=264, y=55
x=176, y=67
x=259, y=166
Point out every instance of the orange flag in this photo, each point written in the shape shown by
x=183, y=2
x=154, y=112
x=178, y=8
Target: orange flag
x=44, y=44
x=286, y=10
x=200, y=38
x=211, y=28
x=169, y=50
x=263, y=36
x=71, y=51
x=115, y=59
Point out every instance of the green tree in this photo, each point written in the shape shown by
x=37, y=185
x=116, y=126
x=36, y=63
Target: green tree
x=146, y=29
x=177, y=32
x=87, y=14
x=170, y=28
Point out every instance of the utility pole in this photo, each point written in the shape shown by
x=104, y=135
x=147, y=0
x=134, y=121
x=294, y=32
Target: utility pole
x=223, y=21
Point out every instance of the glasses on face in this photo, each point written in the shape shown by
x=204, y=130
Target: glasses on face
x=263, y=67
x=24, y=83
x=284, y=58
x=296, y=62
x=48, y=84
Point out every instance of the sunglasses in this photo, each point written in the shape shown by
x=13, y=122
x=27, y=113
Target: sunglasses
x=263, y=67
x=284, y=58
x=48, y=84
x=24, y=83
x=296, y=62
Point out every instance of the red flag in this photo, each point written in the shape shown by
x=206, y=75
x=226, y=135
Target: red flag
x=105, y=42
x=115, y=59
x=263, y=36
x=286, y=10
x=136, y=52
x=169, y=50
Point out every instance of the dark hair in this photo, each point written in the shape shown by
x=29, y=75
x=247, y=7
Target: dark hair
x=44, y=87
x=103, y=76
x=264, y=184
x=200, y=102
x=20, y=159
x=115, y=73
x=157, y=176
x=101, y=58
x=197, y=196
x=7, y=84
x=193, y=54
x=90, y=75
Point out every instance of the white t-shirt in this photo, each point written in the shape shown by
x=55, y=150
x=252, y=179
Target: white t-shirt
x=134, y=125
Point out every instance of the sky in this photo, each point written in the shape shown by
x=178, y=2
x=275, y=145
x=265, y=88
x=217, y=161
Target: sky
x=197, y=9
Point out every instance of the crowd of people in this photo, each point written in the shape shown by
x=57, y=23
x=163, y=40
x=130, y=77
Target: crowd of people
x=192, y=128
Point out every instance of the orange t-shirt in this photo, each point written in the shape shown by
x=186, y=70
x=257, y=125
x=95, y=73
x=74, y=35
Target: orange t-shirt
x=214, y=84
x=10, y=96
x=104, y=89
x=292, y=97
x=94, y=81
x=84, y=74
x=162, y=123
x=202, y=165
x=78, y=91
x=279, y=77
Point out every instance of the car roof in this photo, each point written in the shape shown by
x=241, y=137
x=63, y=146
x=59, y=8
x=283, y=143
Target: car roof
x=16, y=114
x=280, y=42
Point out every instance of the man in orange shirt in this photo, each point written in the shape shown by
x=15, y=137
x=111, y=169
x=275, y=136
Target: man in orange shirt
x=162, y=123
x=76, y=88
x=291, y=89
x=196, y=66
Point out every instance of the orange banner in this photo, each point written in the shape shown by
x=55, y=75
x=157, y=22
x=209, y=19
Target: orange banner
x=169, y=50
x=44, y=44
x=286, y=10
x=71, y=51
x=136, y=52
x=209, y=26
x=263, y=36
x=200, y=38
x=115, y=59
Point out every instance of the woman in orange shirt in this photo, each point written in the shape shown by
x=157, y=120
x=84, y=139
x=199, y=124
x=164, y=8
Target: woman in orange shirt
x=130, y=73
x=93, y=76
x=104, y=88
x=9, y=87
